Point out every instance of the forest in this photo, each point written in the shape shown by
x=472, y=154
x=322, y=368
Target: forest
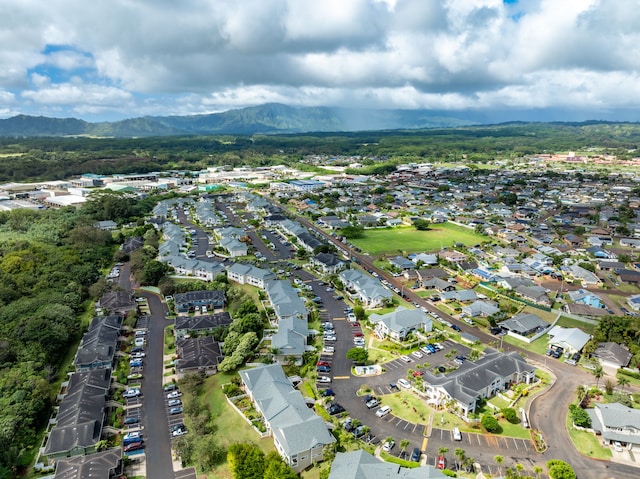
x=24, y=159
x=52, y=265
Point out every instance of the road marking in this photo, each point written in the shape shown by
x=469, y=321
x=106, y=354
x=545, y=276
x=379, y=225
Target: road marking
x=516, y=444
x=341, y=377
x=339, y=319
x=424, y=444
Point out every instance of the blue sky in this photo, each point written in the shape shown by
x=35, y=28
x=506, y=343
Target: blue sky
x=113, y=59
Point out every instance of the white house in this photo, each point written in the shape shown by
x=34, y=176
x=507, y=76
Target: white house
x=399, y=323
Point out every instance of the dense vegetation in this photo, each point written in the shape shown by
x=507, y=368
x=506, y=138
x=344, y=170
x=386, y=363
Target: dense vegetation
x=58, y=158
x=48, y=262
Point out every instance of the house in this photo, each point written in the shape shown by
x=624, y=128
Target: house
x=616, y=422
x=365, y=288
x=612, y=355
x=117, y=302
x=580, y=274
x=537, y=294
x=78, y=422
x=300, y=436
x=524, y=324
x=460, y=295
x=285, y=300
x=198, y=355
x=200, y=325
x=452, y=256
x=204, y=270
x=481, y=308
x=634, y=302
x=438, y=284
x=424, y=258
x=308, y=241
x=584, y=310
x=585, y=297
x=99, y=465
x=401, y=263
x=248, y=274
x=327, y=263
x=572, y=340
x=211, y=299
x=290, y=340
x=473, y=381
x=399, y=323
x=360, y=464
x=629, y=276
x=234, y=247
x=426, y=274
x=98, y=346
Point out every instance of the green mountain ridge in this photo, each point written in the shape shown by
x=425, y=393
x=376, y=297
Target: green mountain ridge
x=270, y=118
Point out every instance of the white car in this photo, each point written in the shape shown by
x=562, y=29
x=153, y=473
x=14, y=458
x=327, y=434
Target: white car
x=328, y=349
x=387, y=446
x=139, y=341
x=324, y=379
x=132, y=435
x=330, y=338
x=174, y=395
x=131, y=393
x=403, y=383
x=417, y=354
x=406, y=359
x=383, y=411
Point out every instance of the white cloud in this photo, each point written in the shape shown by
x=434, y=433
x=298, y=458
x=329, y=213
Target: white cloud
x=203, y=55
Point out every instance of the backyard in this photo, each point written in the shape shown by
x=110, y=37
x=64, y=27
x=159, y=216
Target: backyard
x=383, y=240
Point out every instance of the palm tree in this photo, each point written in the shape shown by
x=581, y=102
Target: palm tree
x=404, y=444
x=537, y=470
x=460, y=455
x=442, y=450
x=519, y=467
x=499, y=461
x=598, y=372
x=622, y=382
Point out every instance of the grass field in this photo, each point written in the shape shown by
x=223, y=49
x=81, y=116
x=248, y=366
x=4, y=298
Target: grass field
x=410, y=240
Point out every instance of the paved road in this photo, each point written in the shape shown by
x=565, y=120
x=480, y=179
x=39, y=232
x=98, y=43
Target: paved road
x=547, y=413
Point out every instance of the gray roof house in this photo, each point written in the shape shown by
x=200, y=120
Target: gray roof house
x=616, y=422
x=198, y=355
x=365, y=288
x=570, y=339
x=117, y=302
x=299, y=435
x=493, y=373
x=99, y=344
x=537, y=294
x=399, y=323
x=205, y=270
x=285, y=300
x=612, y=355
x=200, y=325
x=78, y=423
x=460, y=295
x=249, y=274
x=100, y=465
x=401, y=262
x=234, y=246
x=328, y=263
x=212, y=299
x=291, y=339
x=438, y=284
x=362, y=465
x=524, y=324
x=481, y=308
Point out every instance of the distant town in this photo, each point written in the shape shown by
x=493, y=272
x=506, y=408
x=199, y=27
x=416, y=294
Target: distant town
x=436, y=320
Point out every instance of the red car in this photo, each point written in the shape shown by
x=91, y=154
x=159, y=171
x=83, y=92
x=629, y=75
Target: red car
x=358, y=334
x=355, y=325
x=134, y=446
x=442, y=462
x=417, y=373
x=323, y=363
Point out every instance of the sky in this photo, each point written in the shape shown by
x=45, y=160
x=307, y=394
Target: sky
x=113, y=59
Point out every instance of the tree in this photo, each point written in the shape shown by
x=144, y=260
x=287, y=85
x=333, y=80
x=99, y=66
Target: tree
x=560, y=470
x=358, y=355
x=404, y=443
x=276, y=468
x=579, y=416
x=623, y=381
x=246, y=461
x=598, y=372
x=460, y=454
x=499, y=461
x=421, y=225
x=490, y=423
x=510, y=415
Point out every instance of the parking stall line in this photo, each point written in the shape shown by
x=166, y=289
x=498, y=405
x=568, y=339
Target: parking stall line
x=405, y=426
x=515, y=443
x=526, y=445
x=414, y=428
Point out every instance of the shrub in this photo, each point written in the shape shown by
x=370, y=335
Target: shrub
x=490, y=423
x=579, y=416
x=510, y=415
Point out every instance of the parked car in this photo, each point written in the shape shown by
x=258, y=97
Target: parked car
x=415, y=455
x=133, y=446
x=323, y=363
x=417, y=373
x=406, y=359
x=330, y=338
x=131, y=393
x=387, y=446
x=174, y=402
x=403, y=383
x=324, y=379
x=442, y=462
x=131, y=437
x=417, y=354
x=375, y=402
x=457, y=436
x=131, y=420
x=455, y=327
x=176, y=410
x=323, y=369
x=383, y=411
x=135, y=363
x=328, y=349
x=327, y=392
x=174, y=395
x=335, y=408
x=178, y=430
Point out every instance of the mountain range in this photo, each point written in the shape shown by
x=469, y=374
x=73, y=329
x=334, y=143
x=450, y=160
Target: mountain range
x=272, y=118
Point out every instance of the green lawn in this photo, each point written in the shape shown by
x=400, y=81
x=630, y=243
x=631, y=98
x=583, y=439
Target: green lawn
x=566, y=322
x=409, y=240
x=587, y=443
x=231, y=426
